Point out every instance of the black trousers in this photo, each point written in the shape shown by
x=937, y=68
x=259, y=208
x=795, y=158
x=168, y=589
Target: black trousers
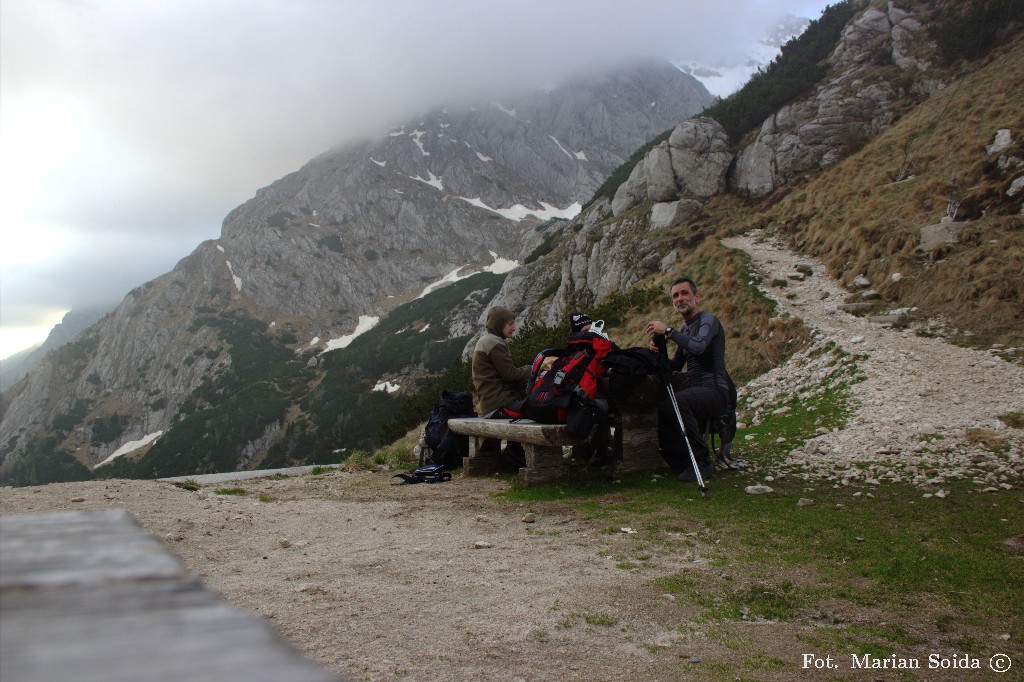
x=696, y=405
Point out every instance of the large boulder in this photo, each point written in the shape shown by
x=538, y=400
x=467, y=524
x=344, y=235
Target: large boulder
x=700, y=158
x=670, y=213
x=691, y=164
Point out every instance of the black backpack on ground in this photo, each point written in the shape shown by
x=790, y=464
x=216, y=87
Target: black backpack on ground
x=439, y=446
x=432, y=473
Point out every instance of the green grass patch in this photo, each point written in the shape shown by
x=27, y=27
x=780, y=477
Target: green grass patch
x=762, y=661
x=230, y=491
x=601, y=619
x=893, y=550
x=1013, y=419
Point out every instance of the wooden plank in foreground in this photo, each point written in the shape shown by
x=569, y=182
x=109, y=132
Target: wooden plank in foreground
x=90, y=596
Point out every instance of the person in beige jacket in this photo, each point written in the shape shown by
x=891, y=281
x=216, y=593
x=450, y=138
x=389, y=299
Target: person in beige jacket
x=496, y=379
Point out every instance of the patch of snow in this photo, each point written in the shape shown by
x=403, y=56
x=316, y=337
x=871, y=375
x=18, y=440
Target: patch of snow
x=401, y=131
x=365, y=324
x=220, y=248
x=483, y=157
x=386, y=386
x=581, y=156
x=498, y=267
x=425, y=328
x=501, y=265
x=417, y=136
x=452, y=276
x=238, y=280
x=722, y=80
x=434, y=181
x=561, y=146
x=518, y=212
x=130, y=446
x=382, y=164
x=315, y=340
x=510, y=112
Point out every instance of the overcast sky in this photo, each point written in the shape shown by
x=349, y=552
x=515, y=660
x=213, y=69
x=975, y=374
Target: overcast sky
x=130, y=128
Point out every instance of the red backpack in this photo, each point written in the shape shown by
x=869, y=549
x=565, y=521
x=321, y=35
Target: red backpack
x=570, y=383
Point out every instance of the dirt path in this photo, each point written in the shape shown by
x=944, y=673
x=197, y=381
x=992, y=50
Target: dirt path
x=925, y=411
x=446, y=582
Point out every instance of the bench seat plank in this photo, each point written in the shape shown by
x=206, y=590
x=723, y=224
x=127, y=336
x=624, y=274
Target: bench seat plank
x=521, y=431
x=91, y=597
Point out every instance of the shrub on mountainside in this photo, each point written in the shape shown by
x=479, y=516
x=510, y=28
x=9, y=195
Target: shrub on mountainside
x=971, y=29
x=107, y=429
x=49, y=464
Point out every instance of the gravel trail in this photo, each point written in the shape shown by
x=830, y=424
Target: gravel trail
x=925, y=410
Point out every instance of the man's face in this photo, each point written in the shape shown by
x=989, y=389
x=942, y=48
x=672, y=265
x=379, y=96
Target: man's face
x=684, y=300
x=510, y=329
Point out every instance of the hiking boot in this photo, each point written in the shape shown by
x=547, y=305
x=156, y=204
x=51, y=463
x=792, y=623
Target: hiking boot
x=707, y=468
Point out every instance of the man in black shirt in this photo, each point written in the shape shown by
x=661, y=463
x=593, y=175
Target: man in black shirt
x=700, y=348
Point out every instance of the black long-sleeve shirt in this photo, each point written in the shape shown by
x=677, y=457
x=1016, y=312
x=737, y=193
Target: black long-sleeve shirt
x=701, y=349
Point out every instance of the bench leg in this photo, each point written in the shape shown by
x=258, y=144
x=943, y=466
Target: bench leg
x=640, y=446
x=544, y=464
x=482, y=463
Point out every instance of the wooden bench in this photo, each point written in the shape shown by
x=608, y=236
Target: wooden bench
x=89, y=596
x=634, y=442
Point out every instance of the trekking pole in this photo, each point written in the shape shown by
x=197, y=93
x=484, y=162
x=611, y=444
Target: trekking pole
x=666, y=378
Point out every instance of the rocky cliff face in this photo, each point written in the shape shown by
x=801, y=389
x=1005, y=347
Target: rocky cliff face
x=810, y=135
x=348, y=236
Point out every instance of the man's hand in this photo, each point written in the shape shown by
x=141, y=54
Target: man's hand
x=656, y=327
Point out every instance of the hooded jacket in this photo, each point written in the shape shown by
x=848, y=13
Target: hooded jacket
x=496, y=379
